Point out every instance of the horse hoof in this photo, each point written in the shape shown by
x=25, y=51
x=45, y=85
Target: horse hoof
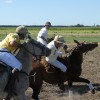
x=62, y=87
x=35, y=98
x=93, y=91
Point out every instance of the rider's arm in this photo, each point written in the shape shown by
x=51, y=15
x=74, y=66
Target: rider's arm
x=43, y=34
x=44, y=39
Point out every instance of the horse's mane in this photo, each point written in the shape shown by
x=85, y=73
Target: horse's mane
x=75, y=53
x=63, y=59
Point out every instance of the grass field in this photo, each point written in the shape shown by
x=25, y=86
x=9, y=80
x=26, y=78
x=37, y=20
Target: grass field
x=91, y=34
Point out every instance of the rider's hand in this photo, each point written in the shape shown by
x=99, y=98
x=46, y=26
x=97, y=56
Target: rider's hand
x=65, y=47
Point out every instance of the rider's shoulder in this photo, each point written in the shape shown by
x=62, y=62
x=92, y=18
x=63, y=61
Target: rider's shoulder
x=13, y=35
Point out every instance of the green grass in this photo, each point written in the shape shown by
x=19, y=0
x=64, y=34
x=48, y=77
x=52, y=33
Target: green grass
x=83, y=38
x=91, y=34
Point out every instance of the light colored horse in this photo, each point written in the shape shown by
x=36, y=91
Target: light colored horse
x=25, y=55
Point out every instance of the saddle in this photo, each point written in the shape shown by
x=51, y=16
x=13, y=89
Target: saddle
x=48, y=67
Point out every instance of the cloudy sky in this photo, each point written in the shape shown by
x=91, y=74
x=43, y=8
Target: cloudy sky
x=59, y=12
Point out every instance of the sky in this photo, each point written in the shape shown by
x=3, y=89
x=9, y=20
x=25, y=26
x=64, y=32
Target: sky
x=58, y=12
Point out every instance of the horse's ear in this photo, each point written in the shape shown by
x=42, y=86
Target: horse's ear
x=29, y=37
x=77, y=42
x=54, y=35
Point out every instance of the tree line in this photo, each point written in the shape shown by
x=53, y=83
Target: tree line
x=77, y=25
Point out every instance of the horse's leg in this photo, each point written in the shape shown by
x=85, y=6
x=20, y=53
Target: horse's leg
x=36, y=90
x=21, y=97
x=4, y=95
x=9, y=96
x=70, y=83
x=36, y=84
x=80, y=79
x=3, y=83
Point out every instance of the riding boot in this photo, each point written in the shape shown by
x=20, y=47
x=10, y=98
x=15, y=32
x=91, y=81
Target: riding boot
x=61, y=81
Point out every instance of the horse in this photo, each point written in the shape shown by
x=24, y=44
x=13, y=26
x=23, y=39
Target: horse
x=40, y=71
x=27, y=51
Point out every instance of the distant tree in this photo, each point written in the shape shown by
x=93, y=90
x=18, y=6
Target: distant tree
x=79, y=25
x=97, y=25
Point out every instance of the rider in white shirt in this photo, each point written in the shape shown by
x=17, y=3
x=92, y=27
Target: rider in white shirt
x=54, y=45
x=43, y=34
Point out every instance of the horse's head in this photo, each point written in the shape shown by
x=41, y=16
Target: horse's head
x=39, y=49
x=34, y=48
x=85, y=46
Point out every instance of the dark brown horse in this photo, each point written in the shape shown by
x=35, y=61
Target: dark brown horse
x=74, y=63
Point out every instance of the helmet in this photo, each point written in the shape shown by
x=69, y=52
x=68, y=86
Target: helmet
x=22, y=30
x=59, y=39
x=47, y=24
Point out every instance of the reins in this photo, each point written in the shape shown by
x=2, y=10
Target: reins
x=69, y=53
x=28, y=50
x=32, y=41
x=33, y=54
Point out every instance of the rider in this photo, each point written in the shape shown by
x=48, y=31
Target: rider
x=9, y=44
x=55, y=45
x=43, y=34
